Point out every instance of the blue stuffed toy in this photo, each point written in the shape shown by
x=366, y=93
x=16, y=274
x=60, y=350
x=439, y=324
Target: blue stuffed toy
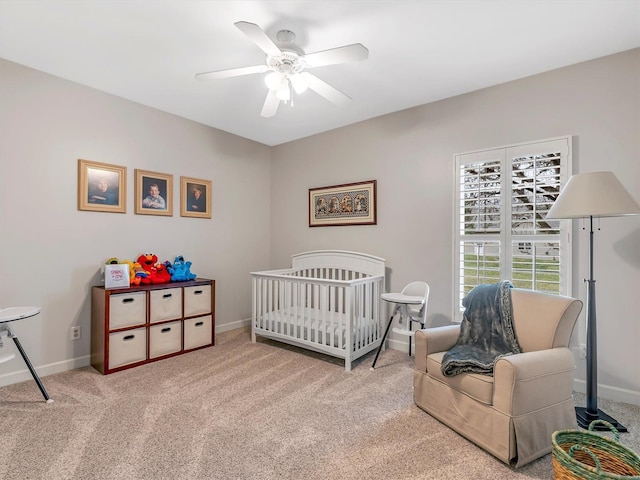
x=180, y=270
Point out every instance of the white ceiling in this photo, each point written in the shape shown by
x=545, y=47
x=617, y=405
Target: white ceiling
x=419, y=51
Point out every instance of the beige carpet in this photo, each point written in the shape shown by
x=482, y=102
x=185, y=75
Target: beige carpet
x=244, y=411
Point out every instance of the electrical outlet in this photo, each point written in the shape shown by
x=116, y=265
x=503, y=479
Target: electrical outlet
x=76, y=332
x=583, y=350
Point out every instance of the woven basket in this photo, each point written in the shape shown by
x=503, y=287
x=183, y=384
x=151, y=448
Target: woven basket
x=585, y=455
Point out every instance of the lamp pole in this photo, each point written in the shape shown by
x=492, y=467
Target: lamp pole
x=587, y=415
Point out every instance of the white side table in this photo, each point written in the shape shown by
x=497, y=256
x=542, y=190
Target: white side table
x=401, y=302
x=12, y=314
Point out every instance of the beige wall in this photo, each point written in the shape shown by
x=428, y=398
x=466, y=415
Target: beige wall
x=410, y=153
x=50, y=253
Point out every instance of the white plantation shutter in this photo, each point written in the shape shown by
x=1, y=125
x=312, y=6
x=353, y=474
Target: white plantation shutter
x=502, y=198
x=480, y=186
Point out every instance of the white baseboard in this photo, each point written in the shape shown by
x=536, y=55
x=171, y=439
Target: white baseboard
x=401, y=345
x=84, y=361
x=44, y=370
x=233, y=325
x=610, y=393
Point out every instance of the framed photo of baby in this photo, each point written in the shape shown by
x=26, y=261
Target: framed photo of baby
x=195, y=197
x=348, y=204
x=154, y=193
x=101, y=187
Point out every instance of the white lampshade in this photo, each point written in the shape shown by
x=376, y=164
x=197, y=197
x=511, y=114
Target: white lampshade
x=594, y=194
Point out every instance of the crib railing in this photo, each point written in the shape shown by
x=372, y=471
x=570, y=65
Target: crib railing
x=335, y=311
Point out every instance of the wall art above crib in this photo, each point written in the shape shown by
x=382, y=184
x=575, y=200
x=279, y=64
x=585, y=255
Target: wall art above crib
x=347, y=204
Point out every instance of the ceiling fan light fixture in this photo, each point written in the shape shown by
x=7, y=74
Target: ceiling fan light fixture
x=299, y=83
x=284, y=92
x=273, y=80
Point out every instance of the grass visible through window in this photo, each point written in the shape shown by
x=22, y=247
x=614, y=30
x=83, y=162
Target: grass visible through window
x=480, y=270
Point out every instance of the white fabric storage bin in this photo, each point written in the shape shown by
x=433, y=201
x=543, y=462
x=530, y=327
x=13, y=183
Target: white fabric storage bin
x=197, y=332
x=127, y=309
x=165, y=339
x=127, y=347
x=197, y=300
x=165, y=304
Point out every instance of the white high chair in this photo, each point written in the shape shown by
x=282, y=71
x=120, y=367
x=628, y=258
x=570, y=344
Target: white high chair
x=411, y=304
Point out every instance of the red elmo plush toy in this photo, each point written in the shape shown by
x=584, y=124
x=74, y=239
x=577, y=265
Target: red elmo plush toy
x=160, y=274
x=147, y=262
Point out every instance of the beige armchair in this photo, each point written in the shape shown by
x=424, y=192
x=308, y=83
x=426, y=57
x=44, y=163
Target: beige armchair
x=513, y=414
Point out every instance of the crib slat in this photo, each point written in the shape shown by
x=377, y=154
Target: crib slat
x=367, y=294
x=295, y=308
x=346, y=319
x=339, y=330
x=285, y=324
x=271, y=304
x=254, y=316
x=377, y=313
x=322, y=312
x=331, y=320
x=263, y=291
x=308, y=319
x=349, y=315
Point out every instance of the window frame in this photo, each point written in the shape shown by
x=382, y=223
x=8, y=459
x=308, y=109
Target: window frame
x=505, y=238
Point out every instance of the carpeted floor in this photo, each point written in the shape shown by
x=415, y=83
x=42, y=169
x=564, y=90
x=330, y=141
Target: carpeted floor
x=244, y=411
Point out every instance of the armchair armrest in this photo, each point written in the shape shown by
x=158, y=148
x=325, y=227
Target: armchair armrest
x=432, y=340
x=530, y=381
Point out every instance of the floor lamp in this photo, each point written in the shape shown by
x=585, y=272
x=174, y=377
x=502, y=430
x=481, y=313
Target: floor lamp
x=589, y=195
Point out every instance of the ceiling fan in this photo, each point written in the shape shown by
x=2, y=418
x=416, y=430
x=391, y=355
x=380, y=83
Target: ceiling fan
x=287, y=64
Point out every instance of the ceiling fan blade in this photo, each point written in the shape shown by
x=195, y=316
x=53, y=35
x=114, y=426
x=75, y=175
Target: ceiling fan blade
x=271, y=104
x=233, y=72
x=257, y=36
x=348, y=53
x=327, y=91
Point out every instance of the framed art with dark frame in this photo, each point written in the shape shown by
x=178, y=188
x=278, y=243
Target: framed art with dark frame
x=195, y=197
x=102, y=187
x=347, y=204
x=154, y=193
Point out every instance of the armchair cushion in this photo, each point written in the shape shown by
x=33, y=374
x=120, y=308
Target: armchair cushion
x=475, y=385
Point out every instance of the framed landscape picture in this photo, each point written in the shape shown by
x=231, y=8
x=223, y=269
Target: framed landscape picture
x=348, y=204
x=154, y=193
x=101, y=187
x=195, y=197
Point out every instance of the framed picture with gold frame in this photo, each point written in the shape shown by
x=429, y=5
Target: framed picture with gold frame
x=154, y=193
x=347, y=204
x=102, y=187
x=195, y=197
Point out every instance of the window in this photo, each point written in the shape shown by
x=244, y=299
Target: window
x=502, y=198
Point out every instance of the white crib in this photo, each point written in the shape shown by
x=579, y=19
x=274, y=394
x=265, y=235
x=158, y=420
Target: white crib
x=328, y=302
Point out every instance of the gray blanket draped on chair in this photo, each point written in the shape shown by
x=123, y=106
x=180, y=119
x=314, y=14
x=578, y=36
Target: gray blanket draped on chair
x=486, y=331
